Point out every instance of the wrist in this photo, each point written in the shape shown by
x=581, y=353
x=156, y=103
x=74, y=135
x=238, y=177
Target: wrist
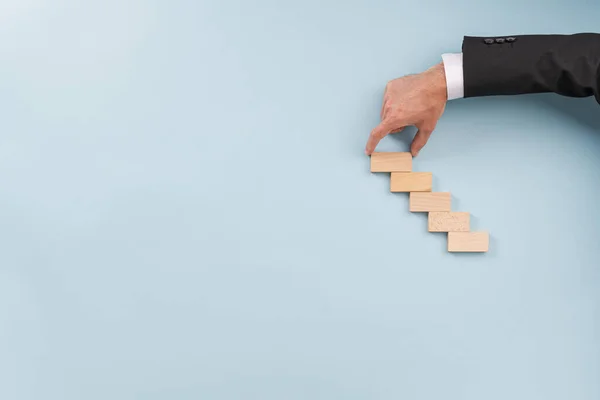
x=438, y=83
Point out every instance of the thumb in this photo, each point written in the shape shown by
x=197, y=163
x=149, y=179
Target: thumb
x=420, y=141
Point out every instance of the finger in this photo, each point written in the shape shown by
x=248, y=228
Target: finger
x=376, y=135
x=384, y=106
x=420, y=141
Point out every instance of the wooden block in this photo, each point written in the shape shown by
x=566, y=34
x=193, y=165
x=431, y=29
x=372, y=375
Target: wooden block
x=411, y=181
x=468, y=241
x=430, y=201
x=391, y=162
x=449, y=222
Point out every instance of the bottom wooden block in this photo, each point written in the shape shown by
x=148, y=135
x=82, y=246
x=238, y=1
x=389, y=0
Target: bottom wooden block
x=475, y=242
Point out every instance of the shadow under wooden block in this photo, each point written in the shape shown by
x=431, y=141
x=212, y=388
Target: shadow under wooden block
x=473, y=242
x=391, y=162
x=449, y=222
x=430, y=201
x=411, y=181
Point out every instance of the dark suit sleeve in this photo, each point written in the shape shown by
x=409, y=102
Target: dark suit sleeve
x=568, y=65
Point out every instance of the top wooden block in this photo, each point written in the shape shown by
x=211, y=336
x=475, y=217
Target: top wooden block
x=391, y=162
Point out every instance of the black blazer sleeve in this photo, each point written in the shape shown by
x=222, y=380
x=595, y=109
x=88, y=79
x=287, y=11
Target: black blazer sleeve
x=568, y=65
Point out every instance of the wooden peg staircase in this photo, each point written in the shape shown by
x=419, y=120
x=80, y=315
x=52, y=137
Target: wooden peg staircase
x=441, y=218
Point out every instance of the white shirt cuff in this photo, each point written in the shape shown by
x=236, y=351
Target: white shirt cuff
x=453, y=67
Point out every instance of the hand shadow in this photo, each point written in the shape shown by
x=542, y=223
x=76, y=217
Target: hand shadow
x=405, y=137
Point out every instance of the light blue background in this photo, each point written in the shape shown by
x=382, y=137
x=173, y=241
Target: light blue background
x=186, y=211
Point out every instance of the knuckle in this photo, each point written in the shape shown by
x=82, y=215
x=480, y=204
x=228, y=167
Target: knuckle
x=428, y=129
x=396, y=114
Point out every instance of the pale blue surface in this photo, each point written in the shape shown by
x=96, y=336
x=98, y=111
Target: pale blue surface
x=186, y=211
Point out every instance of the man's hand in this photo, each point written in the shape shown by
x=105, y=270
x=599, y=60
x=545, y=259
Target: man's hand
x=417, y=100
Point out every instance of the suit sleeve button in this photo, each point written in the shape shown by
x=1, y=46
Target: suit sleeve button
x=500, y=40
x=511, y=39
x=488, y=41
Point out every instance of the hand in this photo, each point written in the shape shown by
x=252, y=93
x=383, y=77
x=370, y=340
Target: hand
x=417, y=100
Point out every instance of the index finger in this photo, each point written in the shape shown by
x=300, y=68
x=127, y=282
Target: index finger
x=377, y=134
